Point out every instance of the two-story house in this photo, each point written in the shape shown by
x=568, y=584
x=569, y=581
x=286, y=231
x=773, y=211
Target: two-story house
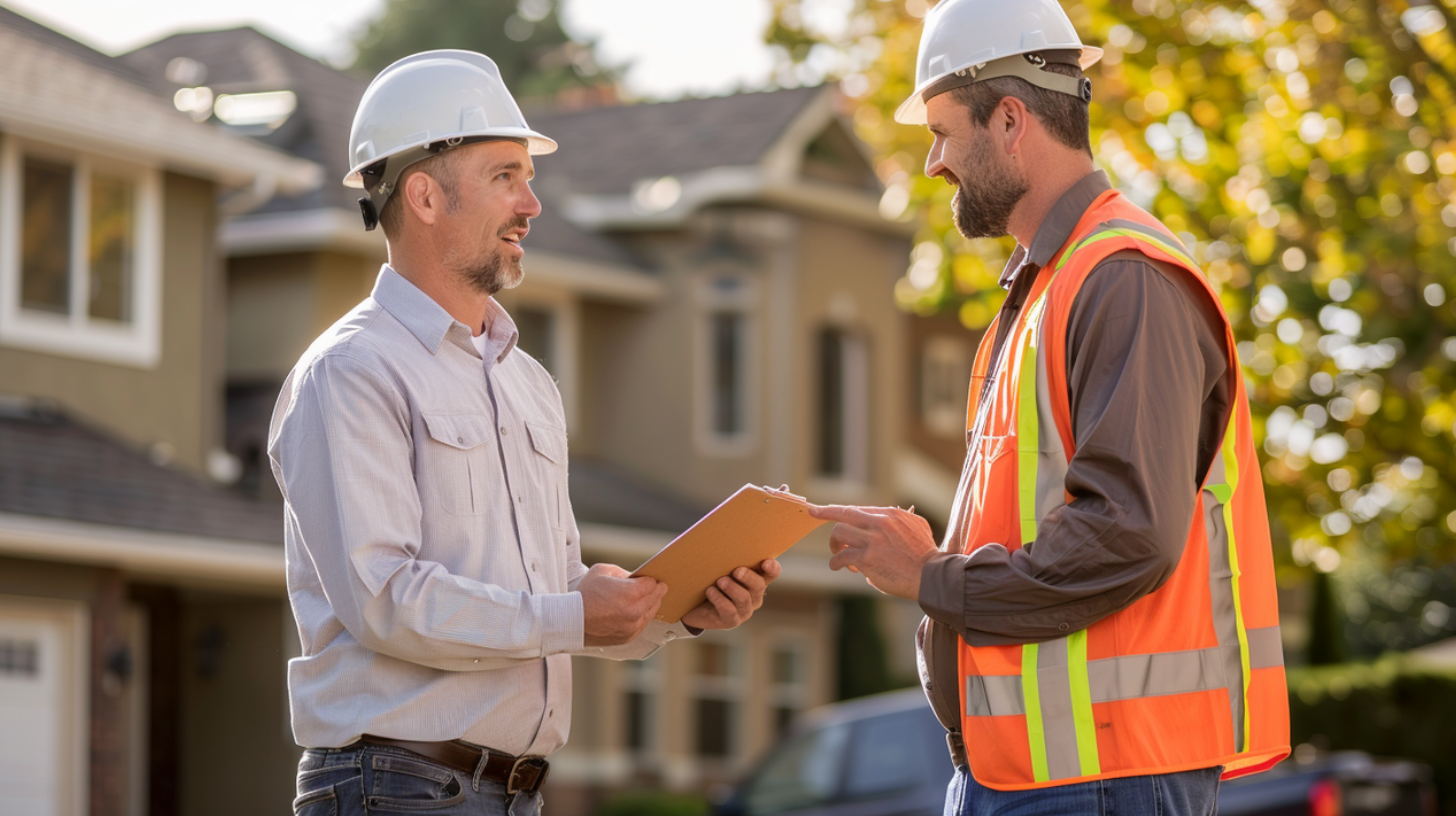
x=119, y=556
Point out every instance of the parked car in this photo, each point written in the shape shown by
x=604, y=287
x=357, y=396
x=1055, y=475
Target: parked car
x=885, y=756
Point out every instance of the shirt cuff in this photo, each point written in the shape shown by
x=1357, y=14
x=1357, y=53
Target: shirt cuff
x=943, y=589
x=562, y=617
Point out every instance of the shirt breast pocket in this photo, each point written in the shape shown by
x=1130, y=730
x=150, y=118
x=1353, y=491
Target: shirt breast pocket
x=549, y=442
x=460, y=463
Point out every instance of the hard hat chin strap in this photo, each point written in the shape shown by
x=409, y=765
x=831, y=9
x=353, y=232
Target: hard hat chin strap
x=1028, y=67
x=381, y=178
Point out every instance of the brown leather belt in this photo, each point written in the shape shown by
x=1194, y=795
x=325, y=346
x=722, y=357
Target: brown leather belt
x=518, y=774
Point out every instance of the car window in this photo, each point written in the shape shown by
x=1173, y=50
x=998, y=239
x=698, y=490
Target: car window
x=888, y=754
x=803, y=772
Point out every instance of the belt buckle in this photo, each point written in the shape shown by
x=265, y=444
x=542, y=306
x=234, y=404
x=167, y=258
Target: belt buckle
x=542, y=766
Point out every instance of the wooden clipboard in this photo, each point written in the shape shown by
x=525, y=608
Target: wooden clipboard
x=754, y=524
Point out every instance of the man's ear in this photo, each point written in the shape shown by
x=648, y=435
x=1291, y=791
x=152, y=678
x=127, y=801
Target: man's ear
x=422, y=197
x=1015, y=122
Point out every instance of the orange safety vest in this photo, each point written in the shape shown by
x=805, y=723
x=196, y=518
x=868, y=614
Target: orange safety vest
x=1189, y=676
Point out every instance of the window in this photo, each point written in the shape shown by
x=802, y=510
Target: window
x=945, y=373
x=19, y=658
x=79, y=259
x=725, y=365
x=843, y=425
x=789, y=663
x=536, y=330
x=718, y=689
x=640, y=684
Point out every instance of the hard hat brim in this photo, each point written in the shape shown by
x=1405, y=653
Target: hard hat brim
x=912, y=110
x=536, y=145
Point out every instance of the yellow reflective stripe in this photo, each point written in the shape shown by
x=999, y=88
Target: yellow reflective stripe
x=1121, y=232
x=1028, y=430
x=1082, y=704
x=1035, y=732
x=1231, y=479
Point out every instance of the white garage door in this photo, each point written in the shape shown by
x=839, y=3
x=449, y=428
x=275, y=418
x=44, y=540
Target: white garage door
x=42, y=707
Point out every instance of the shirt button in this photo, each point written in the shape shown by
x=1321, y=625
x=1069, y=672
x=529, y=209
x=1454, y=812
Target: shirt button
x=551, y=712
x=670, y=636
x=503, y=430
x=460, y=439
x=476, y=660
x=535, y=566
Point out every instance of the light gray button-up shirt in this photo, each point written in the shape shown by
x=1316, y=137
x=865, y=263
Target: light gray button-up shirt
x=431, y=548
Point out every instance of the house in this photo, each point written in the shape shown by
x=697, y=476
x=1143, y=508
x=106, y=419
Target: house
x=710, y=283
x=120, y=558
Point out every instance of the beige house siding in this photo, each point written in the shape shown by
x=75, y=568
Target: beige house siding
x=278, y=304
x=179, y=402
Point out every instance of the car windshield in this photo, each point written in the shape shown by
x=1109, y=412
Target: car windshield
x=802, y=772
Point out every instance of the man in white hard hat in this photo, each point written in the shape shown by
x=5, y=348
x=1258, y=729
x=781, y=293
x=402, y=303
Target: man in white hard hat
x=1101, y=631
x=434, y=566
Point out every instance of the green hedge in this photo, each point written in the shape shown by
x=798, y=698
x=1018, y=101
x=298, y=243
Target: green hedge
x=1394, y=707
x=639, y=803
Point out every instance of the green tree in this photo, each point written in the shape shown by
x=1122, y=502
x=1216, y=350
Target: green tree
x=537, y=59
x=1305, y=150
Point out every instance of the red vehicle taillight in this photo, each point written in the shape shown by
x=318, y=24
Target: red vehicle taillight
x=1325, y=798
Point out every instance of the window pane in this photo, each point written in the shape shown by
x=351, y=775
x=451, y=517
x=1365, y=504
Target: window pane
x=712, y=660
x=831, y=402
x=535, y=327
x=727, y=373
x=45, y=242
x=112, y=247
x=715, y=719
x=639, y=713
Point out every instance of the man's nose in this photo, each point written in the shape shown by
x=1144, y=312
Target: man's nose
x=530, y=205
x=935, y=159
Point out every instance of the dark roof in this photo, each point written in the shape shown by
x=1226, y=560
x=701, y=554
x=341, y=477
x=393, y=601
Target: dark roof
x=57, y=467
x=38, y=32
x=551, y=232
x=603, y=493
x=245, y=60
x=604, y=150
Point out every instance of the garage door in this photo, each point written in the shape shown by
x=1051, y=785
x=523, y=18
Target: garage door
x=42, y=707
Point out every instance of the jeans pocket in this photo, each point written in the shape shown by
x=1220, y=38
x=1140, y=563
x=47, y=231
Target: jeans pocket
x=320, y=802
x=407, y=785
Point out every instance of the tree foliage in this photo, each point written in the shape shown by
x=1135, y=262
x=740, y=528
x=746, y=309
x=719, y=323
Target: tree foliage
x=536, y=57
x=1305, y=150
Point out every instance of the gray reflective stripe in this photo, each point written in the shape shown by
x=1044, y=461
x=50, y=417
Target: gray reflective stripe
x=1055, y=690
x=1266, y=648
x=1221, y=592
x=994, y=696
x=1051, y=466
x=1123, y=678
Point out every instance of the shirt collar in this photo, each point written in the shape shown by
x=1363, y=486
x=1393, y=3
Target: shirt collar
x=1057, y=227
x=500, y=335
x=431, y=324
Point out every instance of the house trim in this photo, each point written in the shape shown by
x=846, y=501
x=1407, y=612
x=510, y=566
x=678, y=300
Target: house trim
x=189, y=559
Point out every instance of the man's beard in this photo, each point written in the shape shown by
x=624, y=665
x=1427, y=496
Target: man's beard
x=494, y=271
x=985, y=197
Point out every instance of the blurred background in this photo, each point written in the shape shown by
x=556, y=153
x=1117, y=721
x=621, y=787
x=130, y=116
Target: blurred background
x=741, y=275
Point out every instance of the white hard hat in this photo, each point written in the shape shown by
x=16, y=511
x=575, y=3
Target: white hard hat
x=426, y=103
x=968, y=41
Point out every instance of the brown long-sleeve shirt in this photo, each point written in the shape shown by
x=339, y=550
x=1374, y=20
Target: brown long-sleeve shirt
x=1150, y=391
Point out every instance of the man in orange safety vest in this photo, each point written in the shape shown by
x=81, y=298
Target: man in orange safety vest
x=1101, y=631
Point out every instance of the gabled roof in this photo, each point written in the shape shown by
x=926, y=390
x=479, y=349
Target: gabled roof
x=603, y=493
x=57, y=467
x=605, y=150
x=245, y=60
x=55, y=89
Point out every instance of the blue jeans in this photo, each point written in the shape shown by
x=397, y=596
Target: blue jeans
x=383, y=779
x=1190, y=793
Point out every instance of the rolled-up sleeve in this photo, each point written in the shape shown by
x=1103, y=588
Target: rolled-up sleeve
x=1145, y=367
x=342, y=452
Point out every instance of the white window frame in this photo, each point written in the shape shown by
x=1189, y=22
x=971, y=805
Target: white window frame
x=643, y=677
x=731, y=689
x=76, y=334
x=712, y=300
x=796, y=694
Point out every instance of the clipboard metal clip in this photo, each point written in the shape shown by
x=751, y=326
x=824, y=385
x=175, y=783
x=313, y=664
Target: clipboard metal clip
x=786, y=494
